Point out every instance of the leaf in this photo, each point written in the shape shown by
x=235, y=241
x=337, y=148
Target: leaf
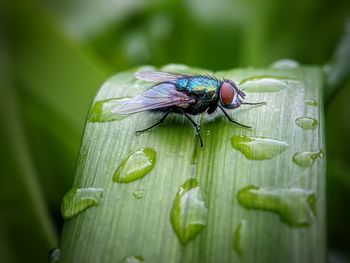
x=219, y=203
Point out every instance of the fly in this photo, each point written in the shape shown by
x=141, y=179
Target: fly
x=184, y=94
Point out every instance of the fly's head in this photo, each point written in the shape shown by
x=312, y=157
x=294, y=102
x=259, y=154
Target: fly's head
x=230, y=95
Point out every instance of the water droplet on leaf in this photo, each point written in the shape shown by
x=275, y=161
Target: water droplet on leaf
x=54, y=255
x=138, y=194
x=306, y=159
x=264, y=84
x=77, y=200
x=133, y=259
x=285, y=64
x=258, y=148
x=135, y=166
x=310, y=102
x=295, y=206
x=240, y=237
x=101, y=111
x=307, y=123
x=189, y=213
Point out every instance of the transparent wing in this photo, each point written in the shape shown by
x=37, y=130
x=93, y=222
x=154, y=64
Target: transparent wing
x=157, y=76
x=160, y=96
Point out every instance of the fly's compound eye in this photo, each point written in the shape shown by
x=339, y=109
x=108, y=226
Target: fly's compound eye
x=227, y=93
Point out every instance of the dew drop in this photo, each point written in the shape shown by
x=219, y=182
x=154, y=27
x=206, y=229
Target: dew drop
x=189, y=213
x=77, y=200
x=135, y=166
x=240, y=237
x=311, y=102
x=101, y=111
x=258, y=148
x=285, y=64
x=295, y=206
x=307, y=123
x=54, y=255
x=133, y=259
x=264, y=84
x=175, y=67
x=306, y=159
x=138, y=194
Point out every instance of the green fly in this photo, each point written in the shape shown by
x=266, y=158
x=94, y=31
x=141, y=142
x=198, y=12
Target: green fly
x=184, y=94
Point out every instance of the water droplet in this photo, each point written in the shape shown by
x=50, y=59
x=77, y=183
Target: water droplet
x=208, y=132
x=77, y=200
x=189, y=213
x=295, y=206
x=264, y=84
x=306, y=159
x=101, y=111
x=138, y=194
x=135, y=166
x=285, y=64
x=133, y=259
x=54, y=255
x=310, y=102
x=184, y=69
x=175, y=67
x=307, y=123
x=258, y=148
x=239, y=238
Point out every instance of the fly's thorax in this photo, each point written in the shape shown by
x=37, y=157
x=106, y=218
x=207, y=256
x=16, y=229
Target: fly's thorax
x=200, y=86
x=230, y=95
x=182, y=83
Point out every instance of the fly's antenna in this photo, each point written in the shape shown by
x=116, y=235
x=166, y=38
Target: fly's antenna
x=254, y=103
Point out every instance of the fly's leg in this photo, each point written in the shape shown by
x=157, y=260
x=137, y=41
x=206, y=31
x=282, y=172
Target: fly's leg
x=235, y=122
x=156, y=124
x=195, y=125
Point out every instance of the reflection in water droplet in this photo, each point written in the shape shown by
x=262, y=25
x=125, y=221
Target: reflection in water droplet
x=138, y=194
x=306, y=159
x=189, y=213
x=133, y=259
x=77, y=200
x=310, y=102
x=307, y=123
x=264, y=84
x=101, y=111
x=285, y=64
x=258, y=148
x=240, y=238
x=54, y=255
x=295, y=206
x=135, y=166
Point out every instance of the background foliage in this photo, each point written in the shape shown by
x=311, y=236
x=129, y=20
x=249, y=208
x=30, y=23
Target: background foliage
x=54, y=55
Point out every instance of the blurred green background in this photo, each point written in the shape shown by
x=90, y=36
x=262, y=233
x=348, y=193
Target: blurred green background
x=54, y=56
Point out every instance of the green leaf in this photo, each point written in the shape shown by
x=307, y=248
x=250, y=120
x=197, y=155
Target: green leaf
x=240, y=198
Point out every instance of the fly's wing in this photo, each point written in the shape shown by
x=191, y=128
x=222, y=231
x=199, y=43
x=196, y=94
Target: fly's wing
x=160, y=96
x=157, y=76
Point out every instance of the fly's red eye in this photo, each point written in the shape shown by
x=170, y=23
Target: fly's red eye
x=227, y=93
